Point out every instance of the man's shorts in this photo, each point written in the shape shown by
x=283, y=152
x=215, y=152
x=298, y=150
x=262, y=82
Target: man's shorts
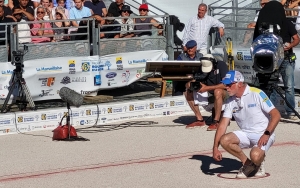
x=249, y=140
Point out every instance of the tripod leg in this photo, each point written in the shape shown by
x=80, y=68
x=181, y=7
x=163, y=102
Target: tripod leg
x=27, y=94
x=287, y=103
x=11, y=89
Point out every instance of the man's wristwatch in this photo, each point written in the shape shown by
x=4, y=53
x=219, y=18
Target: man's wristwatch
x=267, y=133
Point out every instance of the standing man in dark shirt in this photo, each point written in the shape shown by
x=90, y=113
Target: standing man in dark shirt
x=98, y=7
x=4, y=19
x=287, y=68
x=115, y=7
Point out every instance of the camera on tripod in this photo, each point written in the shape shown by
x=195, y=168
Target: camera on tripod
x=18, y=58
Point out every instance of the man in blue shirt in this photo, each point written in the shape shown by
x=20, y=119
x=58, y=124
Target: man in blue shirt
x=79, y=11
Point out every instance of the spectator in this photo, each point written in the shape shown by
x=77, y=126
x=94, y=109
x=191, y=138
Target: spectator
x=46, y=5
x=17, y=14
x=41, y=29
x=115, y=8
x=97, y=6
x=106, y=27
x=143, y=9
x=68, y=4
x=257, y=118
x=215, y=71
x=290, y=4
x=4, y=19
x=61, y=3
x=298, y=18
x=249, y=33
x=79, y=11
x=190, y=55
x=177, y=26
x=17, y=3
x=198, y=29
x=127, y=23
x=56, y=26
x=27, y=11
x=7, y=10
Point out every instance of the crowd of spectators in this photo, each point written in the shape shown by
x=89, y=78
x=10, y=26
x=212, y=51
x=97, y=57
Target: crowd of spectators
x=54, y=20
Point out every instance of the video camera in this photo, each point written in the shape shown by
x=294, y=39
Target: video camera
x=200, y=76
x=267, y=49
x=17, y=59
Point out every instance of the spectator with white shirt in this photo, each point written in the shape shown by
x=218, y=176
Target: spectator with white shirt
x=46, y=5
x=79, y=11
x=198, y=29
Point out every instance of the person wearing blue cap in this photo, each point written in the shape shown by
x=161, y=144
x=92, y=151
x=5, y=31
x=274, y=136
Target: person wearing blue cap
x=257, y=118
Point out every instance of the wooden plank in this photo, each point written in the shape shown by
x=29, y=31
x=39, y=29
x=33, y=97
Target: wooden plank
x=98, y=98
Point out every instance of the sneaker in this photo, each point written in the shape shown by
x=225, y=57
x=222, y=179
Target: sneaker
x=196, y=124
x=213, y=126
x=246, y=170
x=261, y=171
x=291, y=116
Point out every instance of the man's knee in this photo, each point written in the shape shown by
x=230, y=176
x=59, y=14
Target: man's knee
x=219, y=94
x=257, y=154
x=228, y=139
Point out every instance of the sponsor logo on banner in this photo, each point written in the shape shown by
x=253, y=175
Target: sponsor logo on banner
x=7, y=72
x=46, y=93
x=79, y=79
x=49, y=117
x=92, y=112
x=239, y=55
x=166, y=113
x=158, y=105
x=85, y=67
x=111, y=75
x=24, y=119
x=102, y=65
x=49, y=69
x=47, y=81
x=66, y=80
x=119, y=63
x=87, y=92
x=125, y=76
x=6, y=121
x=114, y=110
x=97, y=80
x=138, y=61
x=72, y=66
x=119, y=60
x=176, y=103
x=247, y=58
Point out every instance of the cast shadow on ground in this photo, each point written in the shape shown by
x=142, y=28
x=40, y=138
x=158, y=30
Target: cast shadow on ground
x=185, y=120
x=119, y=126
x=227, y=165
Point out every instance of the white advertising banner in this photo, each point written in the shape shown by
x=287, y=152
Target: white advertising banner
x=85, y=75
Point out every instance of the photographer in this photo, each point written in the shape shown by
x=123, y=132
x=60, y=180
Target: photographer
x=207, y=80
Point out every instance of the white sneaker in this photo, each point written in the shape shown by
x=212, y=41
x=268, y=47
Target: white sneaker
x=246, y=170
x=261, y=171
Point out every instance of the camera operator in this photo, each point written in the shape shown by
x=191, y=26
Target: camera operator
x=207, y=80
x=287, y=68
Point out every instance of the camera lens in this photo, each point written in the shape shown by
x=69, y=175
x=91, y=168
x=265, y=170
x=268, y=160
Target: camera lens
x=17, y=59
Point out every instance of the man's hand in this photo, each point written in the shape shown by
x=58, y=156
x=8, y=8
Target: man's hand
x=263, y=140
x=217, y=154
x=221, y=31
x=203, y=88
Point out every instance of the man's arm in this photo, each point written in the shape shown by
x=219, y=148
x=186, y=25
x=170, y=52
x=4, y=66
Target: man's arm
x=275, y=118
x=219, y=133
x=205, y=88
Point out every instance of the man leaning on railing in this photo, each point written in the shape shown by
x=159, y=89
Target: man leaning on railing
x=127, y=22
x=4, y=28
x=17, y=16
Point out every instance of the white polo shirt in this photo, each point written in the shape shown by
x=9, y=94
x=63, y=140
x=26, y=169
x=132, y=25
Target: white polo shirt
x=251, y=111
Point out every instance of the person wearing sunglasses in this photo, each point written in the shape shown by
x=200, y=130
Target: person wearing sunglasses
x=24, y=7
x=127, y=22
x=143, y=10
x=42, y=29
x=257, y=118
